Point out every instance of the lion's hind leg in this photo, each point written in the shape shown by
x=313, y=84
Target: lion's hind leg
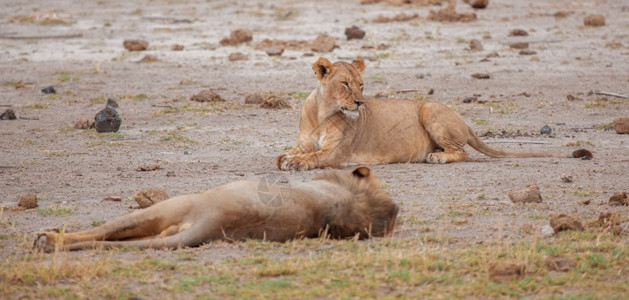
x=447, y=130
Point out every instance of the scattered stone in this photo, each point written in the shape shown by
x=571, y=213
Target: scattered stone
x=176, y=47
x=518, y=32
x=84, y=123
x=476, y=45
x=207, y=96
x=546, y=130
x=566, y=177
x=527, y=194
x=621, y=125
x=527, y=52
x=586, y=202
x=149, y=58
x=354, y=33
x=107, y=120
x=49, y=90
x=481, y=76
x=586, y=157
x=112, y=198
x=275, y=101
x=594, y=20
x=449, y=15
x=570, y=97
x=237, y=36
x=8, y=114
x=401, y=17
x=547, y=230
x=170, y=174
x=236, y=56
x=562, y=221
x=470, y=99
x=505, y=271
x=112, y=103
x=519, y=45
x=560, y=263
x=28, y=201
x=493, y=54
x=135, y=45
x=619, y=199
x=148, y=168
x=149, y=196
x=254, y=98
x=480, y=4
x=323, y=43
x=274, y=51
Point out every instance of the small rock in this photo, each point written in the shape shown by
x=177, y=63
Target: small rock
x=107, y=120
x=493, y=54
x=149, y=58
x=586, y=157
x=237, y=36
x=481, y=76
x=8, y=114
x=570, y=97
x=527, y=194
x=562, y=264
x=274, y=51
x=135, y=45
x=112, y=103
x=505, y=271
x=518, y=32
x=546, y=130
x=112, y=198
x=274, y=101
x=254, y=98
x=84, y=123
x=176, y=47
x=149, y=196
x=236, y=56
x=147, y=168
x=323, y=43
x=527, y=52
x=470, y=99
x=28, y=201
x=621, y=125
x=49, y=90
x=354, y=32
x=170, y=174
x=562, y=221
x=207, y=96
x=547, y=230
x=619, y=199
x=477, y=3
x=519, y=45
x=566, y=178
x=586, y=202
x=594, y=20
x=476, y=45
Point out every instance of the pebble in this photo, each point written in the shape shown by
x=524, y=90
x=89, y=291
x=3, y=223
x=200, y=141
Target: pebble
x=135, y=45
x=49, y=90
x=8, y=114
x=546, y=130
x=107, y=120
x=323, y=43
x=547, y=230
x=354, y=33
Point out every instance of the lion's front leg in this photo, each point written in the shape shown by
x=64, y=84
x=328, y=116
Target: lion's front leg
x=313, y=160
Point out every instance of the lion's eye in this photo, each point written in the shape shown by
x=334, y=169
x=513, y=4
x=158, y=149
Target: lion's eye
x=345, y=83
x=361, y=86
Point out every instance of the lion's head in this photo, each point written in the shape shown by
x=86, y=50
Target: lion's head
x=342, y=85
x=371, y=213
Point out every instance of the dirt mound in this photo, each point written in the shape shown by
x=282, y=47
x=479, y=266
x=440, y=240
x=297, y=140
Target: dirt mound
x=289, y=44
x=149, y=196
x=560, y=263
x=28, y=201
x=323, y=43
x=207, y=96
x=135, y=45
x=275, y=101
x=237, y=36
x=619, y=198
x=562, y=221
x=621, y=125
x=505, y=271
x=527, y=194
x=401, y=17
x=449, y=15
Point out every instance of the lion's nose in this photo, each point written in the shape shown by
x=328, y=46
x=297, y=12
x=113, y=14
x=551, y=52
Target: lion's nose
x=358, y=102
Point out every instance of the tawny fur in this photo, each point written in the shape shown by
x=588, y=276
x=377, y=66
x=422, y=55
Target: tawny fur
x=339, y=127
x=340, y=204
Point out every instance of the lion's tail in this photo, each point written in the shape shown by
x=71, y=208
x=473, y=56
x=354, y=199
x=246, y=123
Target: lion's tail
x=475, y=142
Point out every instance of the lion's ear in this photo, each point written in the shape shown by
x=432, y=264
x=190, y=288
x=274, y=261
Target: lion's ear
x=322, y=68
x=361, y=172
x=359, y=64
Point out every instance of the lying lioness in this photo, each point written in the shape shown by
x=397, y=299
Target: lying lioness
x=338, y=204
x=338, y=127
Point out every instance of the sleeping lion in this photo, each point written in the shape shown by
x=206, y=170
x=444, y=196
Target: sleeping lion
x=338, y=204
x=339, y=127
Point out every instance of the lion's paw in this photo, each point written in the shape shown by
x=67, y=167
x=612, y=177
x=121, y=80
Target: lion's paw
x=436, y=158
x=287, y=163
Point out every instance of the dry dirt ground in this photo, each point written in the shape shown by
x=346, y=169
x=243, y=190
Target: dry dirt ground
x=79, y=51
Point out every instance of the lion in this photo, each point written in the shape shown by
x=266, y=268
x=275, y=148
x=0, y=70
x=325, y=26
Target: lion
x=337, y=204
x=338, y=127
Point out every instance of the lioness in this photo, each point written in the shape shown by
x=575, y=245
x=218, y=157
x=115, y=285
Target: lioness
x=339, y=127
x=337, y=204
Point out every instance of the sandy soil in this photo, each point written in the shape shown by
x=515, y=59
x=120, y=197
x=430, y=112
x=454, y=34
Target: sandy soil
x=205, y=145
